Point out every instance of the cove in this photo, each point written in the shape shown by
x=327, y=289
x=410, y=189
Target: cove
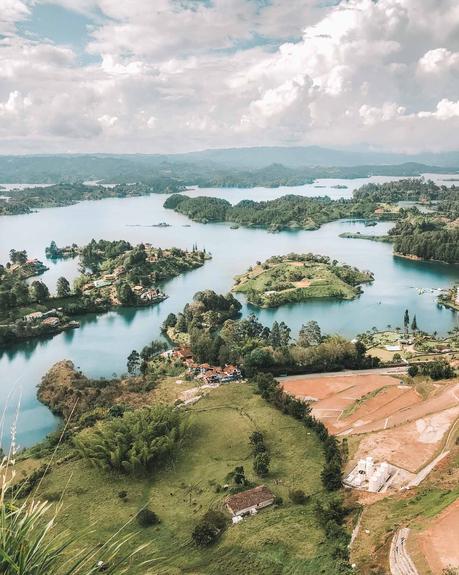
x=101, y=345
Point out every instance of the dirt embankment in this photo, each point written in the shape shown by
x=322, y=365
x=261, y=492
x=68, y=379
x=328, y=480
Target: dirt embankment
x=64, y=389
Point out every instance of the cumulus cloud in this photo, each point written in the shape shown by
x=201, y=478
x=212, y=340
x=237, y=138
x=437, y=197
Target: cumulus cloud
x=177, y=75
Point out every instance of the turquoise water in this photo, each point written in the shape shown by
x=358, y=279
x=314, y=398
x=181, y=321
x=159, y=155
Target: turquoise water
x=101, y=345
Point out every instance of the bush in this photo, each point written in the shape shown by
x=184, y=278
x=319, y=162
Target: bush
x=204, y=534
x=298, y=496
x=146, y=518
x=216, y=518
x=209, y=529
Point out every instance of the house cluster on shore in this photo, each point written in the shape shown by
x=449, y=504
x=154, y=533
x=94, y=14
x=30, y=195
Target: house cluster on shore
x=52, y=319
x=146, y=295
x=204, y=372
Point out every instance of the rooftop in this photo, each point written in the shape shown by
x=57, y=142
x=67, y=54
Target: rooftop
x=251, y=498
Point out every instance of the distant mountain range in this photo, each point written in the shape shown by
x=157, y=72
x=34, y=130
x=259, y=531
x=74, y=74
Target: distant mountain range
x=314, y=156
x=221, y=165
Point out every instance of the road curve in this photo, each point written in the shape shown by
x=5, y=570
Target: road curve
x=399, y=558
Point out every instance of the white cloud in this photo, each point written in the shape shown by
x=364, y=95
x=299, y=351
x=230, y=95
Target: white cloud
x=438, y=60
x=172, y=76
x=446, y=110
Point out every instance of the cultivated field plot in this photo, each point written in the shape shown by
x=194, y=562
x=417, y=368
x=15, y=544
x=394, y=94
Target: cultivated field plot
x=338, y=399
x=396, y=424
x=439, y=543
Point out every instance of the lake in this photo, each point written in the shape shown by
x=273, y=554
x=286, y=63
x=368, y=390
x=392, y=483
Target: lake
x=101, y=345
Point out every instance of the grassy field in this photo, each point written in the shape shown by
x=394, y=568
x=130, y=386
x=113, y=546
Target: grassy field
x=285, y=540
x=292, y=281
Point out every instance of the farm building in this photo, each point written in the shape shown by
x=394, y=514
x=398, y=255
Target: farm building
x=250, y=501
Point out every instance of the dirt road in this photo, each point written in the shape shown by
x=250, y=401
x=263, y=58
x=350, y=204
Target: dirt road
x=399, y=559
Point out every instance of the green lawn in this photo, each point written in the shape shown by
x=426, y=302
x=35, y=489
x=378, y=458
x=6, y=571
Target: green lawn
x=284, y=540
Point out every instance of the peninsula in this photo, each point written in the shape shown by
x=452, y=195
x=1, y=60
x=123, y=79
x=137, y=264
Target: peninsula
x=114, y=274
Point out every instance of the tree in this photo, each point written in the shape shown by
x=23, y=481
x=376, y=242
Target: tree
x=414, y=324
x=406, y=321
x=139, y=442
x=180, y=325
x=209, y=528
x=332, y=475
x=20, y=291
x=204, y=534
x=413, y=370
x=275, y=337
x=170, y=321
x=133, y=362
x=261, y=464
x=52, y=251
x=18, y=257
x=63, y=287
x=39, y=291
x=125, y=294
x=310, y=334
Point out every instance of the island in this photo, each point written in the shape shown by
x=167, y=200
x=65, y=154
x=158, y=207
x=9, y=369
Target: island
x=417, y=234
x=299, y=277
x=290, y=212
x=114, y=274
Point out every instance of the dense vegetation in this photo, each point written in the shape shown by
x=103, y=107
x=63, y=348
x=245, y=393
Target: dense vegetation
x=298, y=277
x=416, y=189
x=287, y=212
x=433, y=235
x=113, y=273
x=217, y=340
x=65, y=194
x=440, y=245
x=138, y=442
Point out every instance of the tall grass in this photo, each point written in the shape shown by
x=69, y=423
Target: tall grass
x=32, y=543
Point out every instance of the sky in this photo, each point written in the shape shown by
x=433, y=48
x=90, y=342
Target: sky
x=152, y=76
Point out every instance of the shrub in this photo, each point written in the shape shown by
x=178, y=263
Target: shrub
x=298, y=496
x=146, y=518
x=216, y=518
x=204, y=534
x=209, y=529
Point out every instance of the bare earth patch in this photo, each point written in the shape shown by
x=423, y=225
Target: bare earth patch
x=410, y=446
x=302, y=284
x=439, y=543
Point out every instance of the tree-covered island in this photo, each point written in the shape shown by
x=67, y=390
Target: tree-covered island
x=295, y=278
x=113, y=274
x=427, y=230
x=288, y=212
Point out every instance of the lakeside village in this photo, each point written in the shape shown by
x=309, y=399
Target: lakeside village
x=114, y=274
